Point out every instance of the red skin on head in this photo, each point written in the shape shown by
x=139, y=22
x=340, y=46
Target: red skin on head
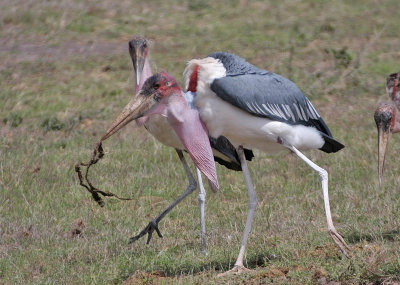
x=168, y=85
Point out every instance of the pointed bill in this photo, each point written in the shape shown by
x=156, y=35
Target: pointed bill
x=383, y=142
x=136, y=108
x=138, y=66
x=138, y=57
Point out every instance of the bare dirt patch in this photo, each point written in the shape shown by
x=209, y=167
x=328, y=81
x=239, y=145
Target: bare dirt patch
x=146, y=278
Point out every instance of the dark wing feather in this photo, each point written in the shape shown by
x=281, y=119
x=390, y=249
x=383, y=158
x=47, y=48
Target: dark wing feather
x=275, y=97
x=225, y=153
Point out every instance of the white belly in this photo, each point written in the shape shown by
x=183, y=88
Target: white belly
x=242, y=128
x=159, y=127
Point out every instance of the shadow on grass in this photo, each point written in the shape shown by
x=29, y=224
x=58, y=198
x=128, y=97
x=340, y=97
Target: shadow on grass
x=356, y=237
x=251, y=262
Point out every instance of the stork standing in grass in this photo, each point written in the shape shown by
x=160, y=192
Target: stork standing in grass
x=251, y=107
x=159, y=127
x=259, y=109
x=387, y=119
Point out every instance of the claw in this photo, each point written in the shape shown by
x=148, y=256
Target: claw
x=339, y=241
x=149, y=229
x=158, y=231
x=149, y=237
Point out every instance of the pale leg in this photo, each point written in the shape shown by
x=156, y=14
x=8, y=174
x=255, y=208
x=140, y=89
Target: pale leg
x=323, y=175
x=239, y=267
x=202, y=200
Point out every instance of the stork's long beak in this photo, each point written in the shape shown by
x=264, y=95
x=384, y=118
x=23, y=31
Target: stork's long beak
x=136, y=108
x=138, y=58
x=383, y=142
x=384, y=117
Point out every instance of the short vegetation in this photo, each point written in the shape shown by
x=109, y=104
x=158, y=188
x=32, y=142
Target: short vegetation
x=65, y=73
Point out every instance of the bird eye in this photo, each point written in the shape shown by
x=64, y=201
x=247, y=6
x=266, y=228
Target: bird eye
x=168, y=83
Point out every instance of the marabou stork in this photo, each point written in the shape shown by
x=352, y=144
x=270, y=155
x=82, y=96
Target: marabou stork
x=251, y=107
x=387, y=119
x=159, y=127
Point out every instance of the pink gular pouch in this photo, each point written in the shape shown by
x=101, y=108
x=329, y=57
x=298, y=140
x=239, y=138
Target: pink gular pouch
x=191, y=131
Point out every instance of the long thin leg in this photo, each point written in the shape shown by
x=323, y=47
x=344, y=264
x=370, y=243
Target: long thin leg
x=323, y=175
x=202, y=201
x=239, y=267
x=153, y=225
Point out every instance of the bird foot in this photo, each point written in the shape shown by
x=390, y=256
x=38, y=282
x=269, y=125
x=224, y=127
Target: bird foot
x=237, y=269
x=149, y=229
x=338, y=239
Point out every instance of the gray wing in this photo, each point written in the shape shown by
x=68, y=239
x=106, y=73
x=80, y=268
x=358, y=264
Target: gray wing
x=271, y=96
x=236, y=65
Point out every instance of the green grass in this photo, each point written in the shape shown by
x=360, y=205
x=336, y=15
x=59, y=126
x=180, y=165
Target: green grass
x=65, y=74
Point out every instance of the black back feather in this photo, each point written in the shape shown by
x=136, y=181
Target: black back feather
x=224, y=146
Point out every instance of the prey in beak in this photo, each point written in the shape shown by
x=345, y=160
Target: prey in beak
x=142, y=104
x=385, y=122
x=162, y=95
x=138, y=49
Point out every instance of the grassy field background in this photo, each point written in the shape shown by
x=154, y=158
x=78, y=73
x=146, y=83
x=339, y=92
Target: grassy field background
x=65, y=73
